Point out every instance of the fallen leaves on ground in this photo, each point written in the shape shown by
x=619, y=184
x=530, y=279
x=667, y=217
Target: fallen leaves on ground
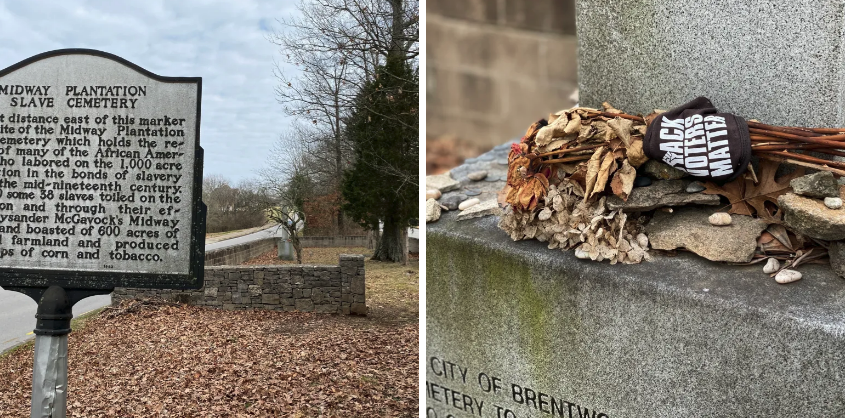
x=183, y=361
x=191, y=361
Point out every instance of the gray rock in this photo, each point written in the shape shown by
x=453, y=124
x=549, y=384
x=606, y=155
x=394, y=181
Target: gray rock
x=833, y=202
x=812, y=218
x=695, y=187
x=477, y=175
x=502, y=161
x=432, y=210
x=662, y=171
x=836, y=251
x=452, y=201
x=661, y=193
x=443, y=182
x=819, y=185
x=470, y=192
x=689, y=228
x=488, y=207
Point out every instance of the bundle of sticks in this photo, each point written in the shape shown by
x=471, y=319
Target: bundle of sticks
x=784, y=144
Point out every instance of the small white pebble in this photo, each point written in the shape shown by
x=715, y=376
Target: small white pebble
x=771, y=266
x=477, y=175
x=579, y=253
x=432, y=194
x=833, y=202
x=468, y=203
x=787, y=276
x=642, y=239
x=720, y=219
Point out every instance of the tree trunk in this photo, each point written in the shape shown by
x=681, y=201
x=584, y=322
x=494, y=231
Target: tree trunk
x=294, y=240
x=404, y=239
x=390, y=245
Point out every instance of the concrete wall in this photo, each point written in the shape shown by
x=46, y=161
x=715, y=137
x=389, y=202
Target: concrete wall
x=769, y=60
x=674, y=337
x=237, y=254
x=495, y=66
x=326, y=289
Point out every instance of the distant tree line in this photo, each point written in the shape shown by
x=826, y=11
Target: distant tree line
x=234, y=207
x=355, y=102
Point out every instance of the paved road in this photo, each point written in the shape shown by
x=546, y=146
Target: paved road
x=17, y=311
x=273, y=231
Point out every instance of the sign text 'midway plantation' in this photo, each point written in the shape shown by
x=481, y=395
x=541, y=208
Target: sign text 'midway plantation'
x=98, y=160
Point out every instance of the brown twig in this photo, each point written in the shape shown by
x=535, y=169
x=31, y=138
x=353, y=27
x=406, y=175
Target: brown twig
x=775, y=158
x=566, y=160
x=569, y=150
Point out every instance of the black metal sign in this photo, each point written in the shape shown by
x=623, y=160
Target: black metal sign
x=100, y=175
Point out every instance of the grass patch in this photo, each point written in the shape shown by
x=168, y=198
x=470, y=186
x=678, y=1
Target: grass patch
x=393, y=290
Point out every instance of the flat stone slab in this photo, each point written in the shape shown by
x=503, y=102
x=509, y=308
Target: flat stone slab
x=689, y=228
x=661, y=193
x=486, y=208
x=443, y=182
x=812, y=218
x=662, y=338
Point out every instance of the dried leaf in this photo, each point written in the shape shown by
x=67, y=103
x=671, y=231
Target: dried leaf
x=502, y=196
x=768, y=189
x=608, y=165
x=635, y=153
x=734, y=191
x=623, y=181
x=574, y=124
x=593, y=167
x=622, y=128
x=779, y=232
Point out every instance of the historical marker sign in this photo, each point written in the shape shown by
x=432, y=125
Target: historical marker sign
x=100, y=175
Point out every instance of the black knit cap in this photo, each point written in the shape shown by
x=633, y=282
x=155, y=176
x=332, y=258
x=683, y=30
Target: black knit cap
x=695, y=138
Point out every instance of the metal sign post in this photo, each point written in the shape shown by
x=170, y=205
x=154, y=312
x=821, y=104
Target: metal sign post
x=101, y=188
x=49, y=372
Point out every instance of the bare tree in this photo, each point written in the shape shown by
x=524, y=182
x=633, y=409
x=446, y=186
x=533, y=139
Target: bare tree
x=290, y=211
x=337, y=46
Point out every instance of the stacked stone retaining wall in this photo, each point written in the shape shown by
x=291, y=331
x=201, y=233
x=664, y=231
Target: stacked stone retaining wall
x=343, y=241
x=306, y=288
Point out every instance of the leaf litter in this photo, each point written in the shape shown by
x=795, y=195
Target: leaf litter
x=186, y=361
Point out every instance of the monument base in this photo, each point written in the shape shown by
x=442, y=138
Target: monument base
x=517, y=330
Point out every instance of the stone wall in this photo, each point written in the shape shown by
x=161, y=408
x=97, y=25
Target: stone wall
x=237, y=254
x=306, y=288
x=495, y=66
x=344, y=241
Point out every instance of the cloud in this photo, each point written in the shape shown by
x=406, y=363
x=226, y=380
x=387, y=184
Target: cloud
x=221, y=41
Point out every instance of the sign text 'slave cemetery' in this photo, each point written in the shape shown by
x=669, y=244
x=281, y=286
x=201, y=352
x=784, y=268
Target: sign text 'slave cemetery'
x=100, y=174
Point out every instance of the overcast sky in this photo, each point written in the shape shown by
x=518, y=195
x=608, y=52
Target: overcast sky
x=224, y=42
